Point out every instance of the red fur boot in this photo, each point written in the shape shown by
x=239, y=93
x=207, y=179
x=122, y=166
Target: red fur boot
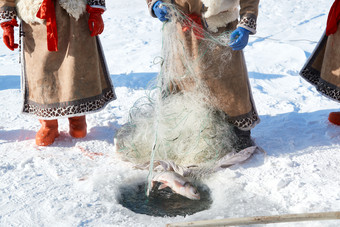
x=78, y=127
x=47, y=133
x=334, y=117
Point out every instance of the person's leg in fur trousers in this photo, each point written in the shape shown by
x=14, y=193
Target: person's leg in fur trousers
x=243, y=139
x=78, y=127
x=334, y=117
x=47, y=133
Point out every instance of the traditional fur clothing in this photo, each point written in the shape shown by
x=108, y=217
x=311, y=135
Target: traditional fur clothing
x=72, y=81
x=226, y=80
x=323, y=66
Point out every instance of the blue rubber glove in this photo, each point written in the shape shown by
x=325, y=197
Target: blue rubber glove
x=239, y=38
x=160, y=11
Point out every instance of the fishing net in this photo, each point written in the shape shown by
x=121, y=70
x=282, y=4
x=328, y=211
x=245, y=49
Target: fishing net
x=176, y=120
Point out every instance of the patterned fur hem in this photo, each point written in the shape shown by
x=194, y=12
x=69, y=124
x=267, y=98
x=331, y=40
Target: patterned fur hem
x=311, y=75
x=248, y=22
x=247, y=121
x=329, y=90
x=70, y=109
x=7, y=14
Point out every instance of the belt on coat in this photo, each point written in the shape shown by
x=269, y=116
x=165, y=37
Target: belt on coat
x=47, y=12
x=194, y=22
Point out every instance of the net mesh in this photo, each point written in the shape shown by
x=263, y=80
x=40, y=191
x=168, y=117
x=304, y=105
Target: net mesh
x=176, y=120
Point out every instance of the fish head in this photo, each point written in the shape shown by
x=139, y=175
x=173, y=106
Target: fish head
x=191, y=192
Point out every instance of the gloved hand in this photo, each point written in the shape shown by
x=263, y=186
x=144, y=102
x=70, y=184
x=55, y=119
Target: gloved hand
x=160, y=11
x=239, y=38
x=96, y=23
x=8, y=35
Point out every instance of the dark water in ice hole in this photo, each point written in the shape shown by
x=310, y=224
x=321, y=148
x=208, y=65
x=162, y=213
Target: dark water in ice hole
x=162, y=202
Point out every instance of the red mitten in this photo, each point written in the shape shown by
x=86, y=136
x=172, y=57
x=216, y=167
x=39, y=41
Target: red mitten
x=47, y=12
x=8, y=35
x=96, y=23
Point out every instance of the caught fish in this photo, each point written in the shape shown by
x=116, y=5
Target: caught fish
x=177, y=183
x=236, y=157
x=174, y=176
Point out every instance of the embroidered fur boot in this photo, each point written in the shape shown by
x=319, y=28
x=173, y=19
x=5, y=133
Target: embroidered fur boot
x=334, y=117
x=78, y=127
x=47, y=133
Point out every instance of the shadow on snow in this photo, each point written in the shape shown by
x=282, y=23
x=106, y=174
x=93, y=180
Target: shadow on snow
x=292, y=132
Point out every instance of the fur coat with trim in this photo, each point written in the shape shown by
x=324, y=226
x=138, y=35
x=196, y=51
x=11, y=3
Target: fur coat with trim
x=27, y=9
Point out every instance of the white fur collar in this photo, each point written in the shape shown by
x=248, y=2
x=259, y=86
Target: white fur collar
x=215, y=7
x=27, y=9
x=220, y=12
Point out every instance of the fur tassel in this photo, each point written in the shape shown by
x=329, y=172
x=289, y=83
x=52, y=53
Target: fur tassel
x=74, y=7
x=220, y=12
x=27, y=9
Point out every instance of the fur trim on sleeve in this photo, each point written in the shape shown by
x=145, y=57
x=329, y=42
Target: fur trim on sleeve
x=248, y=22
x=7, y=14
x=97, y=3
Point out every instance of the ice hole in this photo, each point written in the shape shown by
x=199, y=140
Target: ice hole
x=163, y=202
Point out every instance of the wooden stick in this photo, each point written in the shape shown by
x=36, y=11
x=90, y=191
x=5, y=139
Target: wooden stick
x=262, y=219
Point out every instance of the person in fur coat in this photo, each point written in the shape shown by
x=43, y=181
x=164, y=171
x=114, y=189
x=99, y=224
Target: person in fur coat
x=322, y=69
x=226, y=78
x=64, y=73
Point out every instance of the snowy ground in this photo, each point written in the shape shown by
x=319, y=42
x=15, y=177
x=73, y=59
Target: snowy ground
x=76, y=182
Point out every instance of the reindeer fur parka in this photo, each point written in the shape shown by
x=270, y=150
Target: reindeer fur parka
x=69, y=82
x=323, y=67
